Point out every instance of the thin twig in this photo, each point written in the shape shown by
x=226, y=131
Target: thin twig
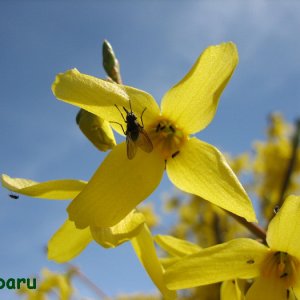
x=217, y=229
x=252, y=227
x=291, y=165
x=88, y=282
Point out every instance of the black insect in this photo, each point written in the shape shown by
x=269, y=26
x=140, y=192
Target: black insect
x=13, y=196
x=276, y=209
x=175, y=154
x=285, y=274
x=136, y=136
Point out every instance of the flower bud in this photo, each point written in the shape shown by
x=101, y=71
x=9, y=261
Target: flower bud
x=97, y=130
x=110, y=63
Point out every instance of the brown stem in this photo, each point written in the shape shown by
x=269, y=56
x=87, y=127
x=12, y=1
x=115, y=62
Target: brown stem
x=252, y=227
x=88, y=282
x=217, y=229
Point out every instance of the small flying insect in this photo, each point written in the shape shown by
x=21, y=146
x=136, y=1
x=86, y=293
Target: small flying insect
x=136, y=136
x=13, y=196
x=276, y=209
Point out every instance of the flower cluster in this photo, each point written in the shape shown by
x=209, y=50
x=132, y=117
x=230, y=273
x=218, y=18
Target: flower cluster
x=163, y=139
x=59, y=284
x=269, y=177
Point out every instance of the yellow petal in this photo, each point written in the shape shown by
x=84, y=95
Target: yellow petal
x=116, y=188
x=52, y=189
x=55, y=282
x=192, y=102
x=240, y=258
x=175, y=246
x=81, y=89
x=268, y=289
x=68, y=242
x=123, y=231
x=168, y=261
x=296, y=290
x=100, y=97
x=144, y=248
x=230, y=290
x=202, y=170
x=284, y=229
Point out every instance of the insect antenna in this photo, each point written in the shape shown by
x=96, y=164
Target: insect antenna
x=120, y=113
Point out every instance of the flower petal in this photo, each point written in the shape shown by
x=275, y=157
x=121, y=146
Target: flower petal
x=296, y=290
x=239, y=258
x=175, y=246
x=167, y=261
x=100, y=97
x=127, y=228
x=192, y=102
x=202, y=170
x=284, y=229
x=230, y=290
x=81, y=89
x=116, y=188
x=267, y=289
x=52, y=189
x=144, y=248
x=60, y=283
x=68, y=242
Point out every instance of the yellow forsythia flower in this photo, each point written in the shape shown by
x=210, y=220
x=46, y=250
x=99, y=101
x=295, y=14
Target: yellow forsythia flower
x=276, y=267
x=194, y=166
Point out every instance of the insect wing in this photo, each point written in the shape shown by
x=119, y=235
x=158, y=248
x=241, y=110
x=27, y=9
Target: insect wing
x=131, y=147
x=143, y=141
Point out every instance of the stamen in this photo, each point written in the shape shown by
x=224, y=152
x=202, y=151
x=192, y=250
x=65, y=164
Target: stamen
x=175, y=154
x=283, y=267
x=166, y=138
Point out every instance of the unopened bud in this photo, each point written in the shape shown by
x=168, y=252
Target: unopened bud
x=110, y=62
x=97, y=130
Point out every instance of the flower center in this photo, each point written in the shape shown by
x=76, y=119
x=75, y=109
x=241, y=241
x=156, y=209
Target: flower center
x=283, y=267
x=167, y=138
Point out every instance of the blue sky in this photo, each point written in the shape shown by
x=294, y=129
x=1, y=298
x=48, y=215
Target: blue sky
x=156, y=42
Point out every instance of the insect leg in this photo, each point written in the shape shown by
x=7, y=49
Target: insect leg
x=142, y=116
x=120, y=125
